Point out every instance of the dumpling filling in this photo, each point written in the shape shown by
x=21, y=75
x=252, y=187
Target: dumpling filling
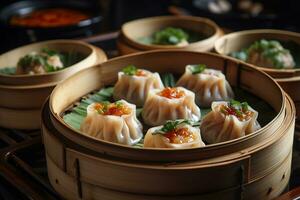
x=174, y=134
x=171, y=93
x=117, y=109
x=239, y=110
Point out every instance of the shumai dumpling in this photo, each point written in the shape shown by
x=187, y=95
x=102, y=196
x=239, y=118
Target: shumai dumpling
x=227, y=121
x=134, y=84
x=40, y=62
x=208, y=84
x=270, y=53
x=113, y=122
x=174, y=134
x=170, y=104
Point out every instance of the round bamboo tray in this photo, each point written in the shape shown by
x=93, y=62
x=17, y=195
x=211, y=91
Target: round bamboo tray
x=252, y=172
x=254, y=166
x=22, y=96
x=289, y=79
x=242, y=76
x=127, y=42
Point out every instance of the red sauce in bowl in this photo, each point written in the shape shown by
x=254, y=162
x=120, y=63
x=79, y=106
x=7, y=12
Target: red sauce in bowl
x=46, y=18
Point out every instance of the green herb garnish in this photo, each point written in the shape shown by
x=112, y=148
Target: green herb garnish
x=196, y=69
x=119, y=104
x=170, y=36
x=130, y=70
x=170, y=125
x=31, y=60
x=239, y=106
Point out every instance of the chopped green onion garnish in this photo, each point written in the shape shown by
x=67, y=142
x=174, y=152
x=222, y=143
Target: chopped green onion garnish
x=130, y=70
x=196, y=69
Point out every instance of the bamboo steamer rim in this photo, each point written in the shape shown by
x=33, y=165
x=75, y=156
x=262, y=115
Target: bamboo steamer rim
x=26, y=78
x=125, y=32
x=56, y=118
x=278, y=32
x=220, y=161
x=28, y=87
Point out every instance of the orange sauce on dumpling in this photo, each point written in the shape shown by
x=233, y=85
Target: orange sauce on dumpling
x=140, y=73
x=242, y=115
x=171, y=93
x=112, y=109
x=180, y=136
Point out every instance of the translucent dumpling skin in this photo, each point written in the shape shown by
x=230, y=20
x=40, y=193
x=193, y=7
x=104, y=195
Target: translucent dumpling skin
x=159, y=108
x=135, y=88
x=113, y=124
x=270, y=54
x=185, y=136
x=209, y=85
x=223, y=123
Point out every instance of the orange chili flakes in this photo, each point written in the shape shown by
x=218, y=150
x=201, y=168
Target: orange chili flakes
x=171, y=93
x=116, y=109
x=179, y=136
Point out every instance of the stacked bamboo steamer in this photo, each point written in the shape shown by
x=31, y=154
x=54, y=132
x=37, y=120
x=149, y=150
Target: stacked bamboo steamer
x=255, y=166
x=289, y=79
x=22, y=96
x=131, y=31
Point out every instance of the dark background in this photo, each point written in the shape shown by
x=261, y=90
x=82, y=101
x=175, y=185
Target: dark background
x=278, y=14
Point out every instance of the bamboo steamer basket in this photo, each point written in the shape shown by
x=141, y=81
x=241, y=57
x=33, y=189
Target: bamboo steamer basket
x=22, y=96
x=257, y=165
x=127, y=41
x=289, y=79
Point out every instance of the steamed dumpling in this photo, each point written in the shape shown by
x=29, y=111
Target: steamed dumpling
x=170, y=104
x=208, y=84
x=174, y=134
x=40, y=62
x=113, y=122
x=134, y=85
x=227, y=121
x=270, y=53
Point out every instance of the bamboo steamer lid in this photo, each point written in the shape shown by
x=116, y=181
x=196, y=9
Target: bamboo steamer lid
x=243, y=76
x=131, y=31
x=287, y=78
x=87, y=175
x=22, y=96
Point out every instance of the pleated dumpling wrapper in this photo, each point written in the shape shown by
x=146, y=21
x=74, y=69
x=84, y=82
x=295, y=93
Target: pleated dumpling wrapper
x=175, y=134
x=208, y=84
x=227, y=121
x=134, y=84
x=170, y=104
x=113, y=122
